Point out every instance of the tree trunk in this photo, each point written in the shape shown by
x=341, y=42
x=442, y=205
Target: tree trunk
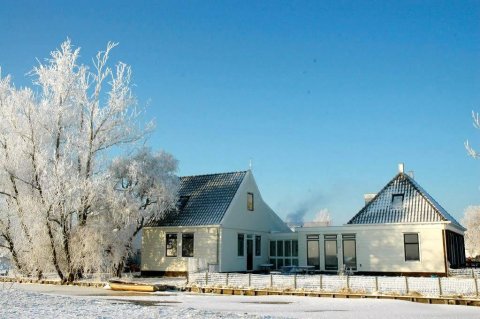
x=54, y=252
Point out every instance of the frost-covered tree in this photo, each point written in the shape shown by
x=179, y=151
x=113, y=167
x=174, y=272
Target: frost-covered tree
x=60, y=195
x=471, y=221
x=471, y=218
x=476, y=123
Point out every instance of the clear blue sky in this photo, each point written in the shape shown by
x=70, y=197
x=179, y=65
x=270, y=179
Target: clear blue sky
x=325, y=97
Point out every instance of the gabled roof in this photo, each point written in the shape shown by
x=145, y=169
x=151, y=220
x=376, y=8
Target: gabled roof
x=203, y=199
x=417, y=207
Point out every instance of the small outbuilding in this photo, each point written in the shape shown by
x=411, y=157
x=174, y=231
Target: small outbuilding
x=400, y=230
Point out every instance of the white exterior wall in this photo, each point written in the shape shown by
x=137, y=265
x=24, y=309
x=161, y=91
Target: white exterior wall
x=154, y=248
x=238, y=219
x=230, y=261
x=380, y=248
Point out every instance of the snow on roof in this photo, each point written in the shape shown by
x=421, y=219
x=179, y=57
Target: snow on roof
x=203, y=199
x=402, y=200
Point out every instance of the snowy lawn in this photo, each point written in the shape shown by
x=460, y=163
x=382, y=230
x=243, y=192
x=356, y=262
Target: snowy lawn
x=49, y=301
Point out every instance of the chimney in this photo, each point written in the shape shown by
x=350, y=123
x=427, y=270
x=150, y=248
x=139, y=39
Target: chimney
x=400, y=168
x=368, y=197
x=411, y=174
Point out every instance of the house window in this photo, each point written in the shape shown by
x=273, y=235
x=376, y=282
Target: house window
x=187, y=245
x=412, y=252
x=240, y=244
x=331, y=259
x=283, y=253
x=397, y=201
x=349, y=251
x=171, y=244
x=313, y=251
x=250, y=201
x=258, y=245
x=182, y=202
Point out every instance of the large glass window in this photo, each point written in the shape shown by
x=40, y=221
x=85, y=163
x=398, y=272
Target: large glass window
x=283, y=253
x=187, y=245
x=313, y=251
x=240, y=244
x=412, y=252
x=258, y=245
x=331, y=260
x=349, y=251
x=250, y=201
x=171, y=245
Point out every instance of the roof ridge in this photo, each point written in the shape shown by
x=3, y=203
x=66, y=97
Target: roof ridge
x=213, y=174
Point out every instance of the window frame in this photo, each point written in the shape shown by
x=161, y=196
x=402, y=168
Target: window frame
x=397, y=205
x=327, y=240
x=417, y=244
x=193, y=245
x=258, y=245
x=173, y=235
x=250, y=201
x=241, y=245
x=349, y=238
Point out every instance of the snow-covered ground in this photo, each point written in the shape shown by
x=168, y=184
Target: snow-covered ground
x=49, y=301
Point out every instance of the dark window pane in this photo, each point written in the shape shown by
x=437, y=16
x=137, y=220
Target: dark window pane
x=288, y=262
x=187, y=245
x=171, y=245
x=349, y=254
x=294, y=248
x=331, y=261
x=279, y=263
x=258, y=245
x=411, y=247
x=295, y=262
x=411, y=252
x=313, y=257
x=273, y=248
x=411, y=238
x=240, y=244
x=280, y=248
x=288, y=248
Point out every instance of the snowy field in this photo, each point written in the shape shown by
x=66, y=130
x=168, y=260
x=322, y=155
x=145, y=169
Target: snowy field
x=48, y=301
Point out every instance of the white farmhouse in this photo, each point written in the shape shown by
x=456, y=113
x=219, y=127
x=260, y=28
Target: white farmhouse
x=222, y=224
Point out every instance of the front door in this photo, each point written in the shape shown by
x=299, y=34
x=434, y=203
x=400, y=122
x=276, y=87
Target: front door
x=249, y=254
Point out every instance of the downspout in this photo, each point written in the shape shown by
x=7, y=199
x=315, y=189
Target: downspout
x=444, y=252
x=218, y=251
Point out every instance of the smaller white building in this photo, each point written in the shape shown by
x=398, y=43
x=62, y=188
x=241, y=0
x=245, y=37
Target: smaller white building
x=400, y=230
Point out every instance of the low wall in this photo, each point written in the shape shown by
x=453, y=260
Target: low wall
x=420, y=286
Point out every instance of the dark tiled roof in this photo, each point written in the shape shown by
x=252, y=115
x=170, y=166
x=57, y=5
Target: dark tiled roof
x=418, y=206
x=204, y=199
